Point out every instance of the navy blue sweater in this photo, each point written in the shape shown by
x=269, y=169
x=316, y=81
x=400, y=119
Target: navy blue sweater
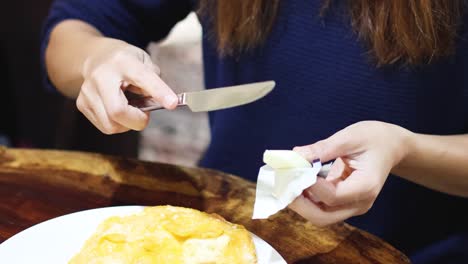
x=325, y=82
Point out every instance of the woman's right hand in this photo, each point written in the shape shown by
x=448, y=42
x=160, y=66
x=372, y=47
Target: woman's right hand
x=113, y=67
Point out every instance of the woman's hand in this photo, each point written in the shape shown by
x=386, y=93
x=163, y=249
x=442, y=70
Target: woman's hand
x=365, y=154
x=108, y=71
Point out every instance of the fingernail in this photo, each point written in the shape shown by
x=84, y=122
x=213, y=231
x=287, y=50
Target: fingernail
x=170, y=100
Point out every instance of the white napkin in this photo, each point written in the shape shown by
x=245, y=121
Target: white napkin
x=276, y=189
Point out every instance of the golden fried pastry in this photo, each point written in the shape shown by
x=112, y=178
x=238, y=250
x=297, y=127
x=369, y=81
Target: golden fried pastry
x=167, y=234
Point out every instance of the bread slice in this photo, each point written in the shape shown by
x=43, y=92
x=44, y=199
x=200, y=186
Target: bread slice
x=167, y=234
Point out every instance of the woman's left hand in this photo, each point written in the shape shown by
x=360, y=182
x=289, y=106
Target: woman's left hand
x=364, y=154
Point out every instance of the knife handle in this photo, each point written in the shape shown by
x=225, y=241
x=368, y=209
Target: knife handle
x=323, y=173
x=147, y=104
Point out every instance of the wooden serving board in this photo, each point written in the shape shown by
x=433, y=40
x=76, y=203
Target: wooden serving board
x=37, y=185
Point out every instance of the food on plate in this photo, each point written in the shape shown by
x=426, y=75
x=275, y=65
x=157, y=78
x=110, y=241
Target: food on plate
x=167, y=234
x=284, y=159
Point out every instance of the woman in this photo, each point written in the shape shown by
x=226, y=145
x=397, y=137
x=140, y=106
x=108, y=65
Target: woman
x=336, y=64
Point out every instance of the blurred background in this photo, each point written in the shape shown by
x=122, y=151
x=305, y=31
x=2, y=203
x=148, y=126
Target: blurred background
x=32, y=117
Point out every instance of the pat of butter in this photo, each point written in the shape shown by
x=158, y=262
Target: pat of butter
x=284, y=159
x=282, y=180
x=284, y=162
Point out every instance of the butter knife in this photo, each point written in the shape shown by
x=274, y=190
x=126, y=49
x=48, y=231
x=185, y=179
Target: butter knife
x=211, y=99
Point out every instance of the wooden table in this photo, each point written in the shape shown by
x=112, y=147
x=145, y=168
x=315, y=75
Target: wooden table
x=37, y=185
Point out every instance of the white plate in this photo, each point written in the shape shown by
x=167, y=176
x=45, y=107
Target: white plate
x=57, y=240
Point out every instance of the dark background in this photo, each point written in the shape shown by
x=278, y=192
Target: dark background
x=31, y=116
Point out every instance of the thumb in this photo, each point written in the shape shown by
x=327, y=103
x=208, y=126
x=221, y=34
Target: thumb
x=338, y=145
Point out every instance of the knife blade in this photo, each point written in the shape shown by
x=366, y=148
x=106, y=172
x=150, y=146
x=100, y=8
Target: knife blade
x=211, y=99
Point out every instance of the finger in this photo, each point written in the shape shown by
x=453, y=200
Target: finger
x=150, y=83
x=338, y=145
x=360, y=206
x=339, y=170
x=359, y=186
x=116, y=104
x=82, y=105
x=105, y=124
x=148, y=62
x=318, y=216
x=93, y=119
x=324, y=191
x=92, y=107
x=355, y=188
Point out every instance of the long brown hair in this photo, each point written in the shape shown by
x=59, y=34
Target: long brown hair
x=407, y=31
